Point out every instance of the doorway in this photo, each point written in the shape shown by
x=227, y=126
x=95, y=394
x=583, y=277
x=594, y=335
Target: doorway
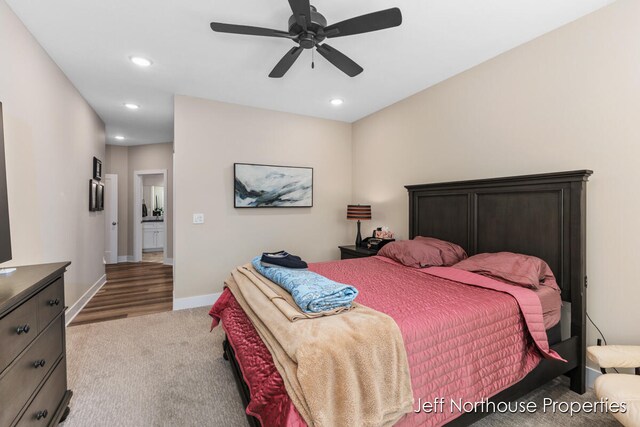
x=111, y=218
x=149, y=213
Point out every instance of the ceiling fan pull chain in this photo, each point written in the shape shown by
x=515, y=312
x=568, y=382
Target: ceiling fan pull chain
x=313, y=63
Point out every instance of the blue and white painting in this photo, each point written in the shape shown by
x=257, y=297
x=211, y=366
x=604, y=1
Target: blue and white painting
x=263, y=186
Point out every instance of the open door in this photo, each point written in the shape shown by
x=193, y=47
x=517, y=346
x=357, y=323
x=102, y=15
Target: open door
x=111, y=218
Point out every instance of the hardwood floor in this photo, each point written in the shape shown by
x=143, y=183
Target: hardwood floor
x=153, y=257
x=132, y=289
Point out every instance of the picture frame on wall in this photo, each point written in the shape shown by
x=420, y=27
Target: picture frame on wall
x=100, y=197
x=93, y=195
x=271, y=186
x=97, y=169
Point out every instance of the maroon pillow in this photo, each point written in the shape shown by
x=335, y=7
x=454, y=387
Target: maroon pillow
x=412, y=253
x=516, y=269
x=450, y=252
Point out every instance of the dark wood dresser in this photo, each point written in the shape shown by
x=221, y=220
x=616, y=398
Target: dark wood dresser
x=33, y=368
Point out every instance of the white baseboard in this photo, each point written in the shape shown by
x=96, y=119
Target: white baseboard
x=592, y=374
x=73, y=311
x=125, y=258
x=197, y=301
x=168, y=261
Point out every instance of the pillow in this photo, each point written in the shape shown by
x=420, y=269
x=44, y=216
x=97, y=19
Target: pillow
x=412, y=253
x=450, y=252
x=515, y=269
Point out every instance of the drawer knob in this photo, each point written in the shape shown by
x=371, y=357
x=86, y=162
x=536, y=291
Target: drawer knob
x=39, y=363
x=42, y=414
x=53, y=302
x=23, y=329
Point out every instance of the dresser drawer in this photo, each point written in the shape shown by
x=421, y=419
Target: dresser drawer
x=45, y=404
x=50, y=303
x=17, y=330
x=19, y=382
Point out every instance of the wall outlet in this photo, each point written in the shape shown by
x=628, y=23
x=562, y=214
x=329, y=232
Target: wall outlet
x=198, y=218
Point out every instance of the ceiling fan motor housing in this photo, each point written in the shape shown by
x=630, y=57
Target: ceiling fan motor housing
x=309, y=39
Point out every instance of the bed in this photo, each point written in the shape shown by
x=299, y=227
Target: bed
x=540, y=215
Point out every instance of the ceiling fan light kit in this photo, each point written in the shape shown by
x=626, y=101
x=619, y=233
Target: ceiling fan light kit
x=308, y=29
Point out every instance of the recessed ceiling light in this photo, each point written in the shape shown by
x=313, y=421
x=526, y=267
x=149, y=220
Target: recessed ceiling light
x=140, y=61
x=131, y=106
x=119, y=137
x=337, y=101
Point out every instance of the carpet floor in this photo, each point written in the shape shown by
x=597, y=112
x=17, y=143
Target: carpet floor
x=167, y=369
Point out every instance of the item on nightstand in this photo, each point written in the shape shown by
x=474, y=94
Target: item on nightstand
x=359, y=212
x=375, y=243
x=282, y=259
x=383, y=233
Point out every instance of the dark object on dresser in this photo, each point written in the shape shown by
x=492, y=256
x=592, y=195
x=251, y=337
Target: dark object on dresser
x=33, y=370
x=5, y=235
x=352, y=251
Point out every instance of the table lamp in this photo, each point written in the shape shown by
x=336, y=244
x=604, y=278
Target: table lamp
x=359, y=212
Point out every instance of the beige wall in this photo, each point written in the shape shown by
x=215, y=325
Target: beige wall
x=568, y=100
x=117, y=163
x=209, y=137
x=51, y=137
x=124, y=161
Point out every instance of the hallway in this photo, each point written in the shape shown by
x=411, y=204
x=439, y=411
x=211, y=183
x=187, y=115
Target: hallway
x=132, y=289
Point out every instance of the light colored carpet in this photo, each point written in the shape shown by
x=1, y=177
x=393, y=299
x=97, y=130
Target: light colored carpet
x=166, y=369
x=163, y=369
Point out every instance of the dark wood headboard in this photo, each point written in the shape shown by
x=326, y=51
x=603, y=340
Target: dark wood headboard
x=541, y=215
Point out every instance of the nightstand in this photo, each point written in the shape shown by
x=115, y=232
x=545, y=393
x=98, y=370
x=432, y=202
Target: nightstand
x=348, y=252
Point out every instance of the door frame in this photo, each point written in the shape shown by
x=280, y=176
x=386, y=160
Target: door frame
x=114, y=202
x=137, y=212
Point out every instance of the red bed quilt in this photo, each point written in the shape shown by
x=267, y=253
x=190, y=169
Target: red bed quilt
x=464, y=343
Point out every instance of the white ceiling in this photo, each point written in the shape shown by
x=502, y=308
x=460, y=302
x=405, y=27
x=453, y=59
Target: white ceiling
x=91, y=41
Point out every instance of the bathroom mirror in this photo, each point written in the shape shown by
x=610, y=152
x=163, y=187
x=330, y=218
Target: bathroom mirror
x=153, y=198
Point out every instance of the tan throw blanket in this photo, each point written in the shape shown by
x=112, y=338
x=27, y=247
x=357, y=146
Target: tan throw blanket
x=344, y=370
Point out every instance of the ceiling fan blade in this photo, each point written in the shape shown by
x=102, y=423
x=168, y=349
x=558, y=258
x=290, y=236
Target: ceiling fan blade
x=366, y=23
x=249, y=31
x=302, y=11
x=340, y=60
x=286, y=62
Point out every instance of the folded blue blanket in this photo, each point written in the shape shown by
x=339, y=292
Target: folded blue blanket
x=312, y=292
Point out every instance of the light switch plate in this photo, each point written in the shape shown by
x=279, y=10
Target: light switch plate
x=198, y=218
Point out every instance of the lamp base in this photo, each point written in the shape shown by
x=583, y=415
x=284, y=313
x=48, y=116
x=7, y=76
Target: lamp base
x=358, y=237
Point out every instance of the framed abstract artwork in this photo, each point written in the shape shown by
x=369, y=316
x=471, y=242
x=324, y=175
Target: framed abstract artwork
x=269, y=186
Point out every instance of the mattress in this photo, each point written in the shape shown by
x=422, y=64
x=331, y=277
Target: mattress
x=551, y=306
x=492, y=346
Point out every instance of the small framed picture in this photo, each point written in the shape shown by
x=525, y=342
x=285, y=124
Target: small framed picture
x=97, y=169
x=100, y=197
x=93, y=195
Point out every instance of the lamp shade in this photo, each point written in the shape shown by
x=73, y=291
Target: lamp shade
x=359, y=212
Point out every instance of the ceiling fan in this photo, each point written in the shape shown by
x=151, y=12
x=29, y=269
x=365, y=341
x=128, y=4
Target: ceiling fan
x=309, y=29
